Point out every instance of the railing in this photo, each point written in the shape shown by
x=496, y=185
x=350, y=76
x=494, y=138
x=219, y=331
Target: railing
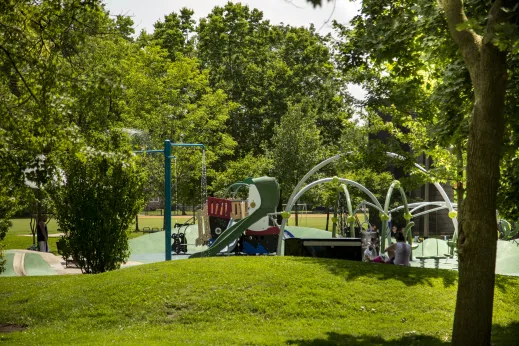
x=219, y=207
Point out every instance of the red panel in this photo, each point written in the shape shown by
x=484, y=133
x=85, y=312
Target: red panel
x=269, y=231
x=219, y=207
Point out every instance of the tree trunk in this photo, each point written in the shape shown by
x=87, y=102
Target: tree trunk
x=327, y=216
x=477, y=240
x=460, y=189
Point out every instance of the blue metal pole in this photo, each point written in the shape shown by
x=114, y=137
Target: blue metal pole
x=167, y=196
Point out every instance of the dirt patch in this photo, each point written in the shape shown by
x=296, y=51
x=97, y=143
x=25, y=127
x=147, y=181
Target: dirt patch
x=9, y=328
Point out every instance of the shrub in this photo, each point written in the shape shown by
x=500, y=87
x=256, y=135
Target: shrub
x=8, y=206
x=95, y=201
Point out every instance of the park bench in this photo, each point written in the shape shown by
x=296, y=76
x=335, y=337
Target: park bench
x=434, y=249
x=65, y=251
x=150, y=230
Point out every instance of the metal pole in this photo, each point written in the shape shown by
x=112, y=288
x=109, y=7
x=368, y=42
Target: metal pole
x=176, y=187
x=167, y=196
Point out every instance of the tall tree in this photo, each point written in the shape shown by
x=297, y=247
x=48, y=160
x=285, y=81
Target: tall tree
x=175, y=33
x=484, y=50
x=296, y=147
x=484, y=41
x=173, y=100
x=37, y=39
x=263, y=68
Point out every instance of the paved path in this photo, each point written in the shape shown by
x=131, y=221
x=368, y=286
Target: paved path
x=18, y=264
x=56, y=264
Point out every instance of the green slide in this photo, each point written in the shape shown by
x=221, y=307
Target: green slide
x=268, y=189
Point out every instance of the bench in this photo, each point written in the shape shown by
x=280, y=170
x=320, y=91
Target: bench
x=65, y=251
x=150, y=230
x=434, y=249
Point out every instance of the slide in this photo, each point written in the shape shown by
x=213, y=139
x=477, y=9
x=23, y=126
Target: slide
x=268, y=189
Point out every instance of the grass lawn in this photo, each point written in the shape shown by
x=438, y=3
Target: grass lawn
x=312, y=221
x=17, y=238
x=246, y=301
x=315, y=220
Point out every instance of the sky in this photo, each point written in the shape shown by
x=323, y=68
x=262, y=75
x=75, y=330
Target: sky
x=293, y=12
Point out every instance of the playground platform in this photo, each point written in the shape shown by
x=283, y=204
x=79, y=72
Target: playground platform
x=149, y=248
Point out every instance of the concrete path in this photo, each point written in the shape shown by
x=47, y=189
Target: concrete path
x=29, y=263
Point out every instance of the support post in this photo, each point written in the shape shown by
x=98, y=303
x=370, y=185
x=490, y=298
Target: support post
x=167, y=197
x=334, y=219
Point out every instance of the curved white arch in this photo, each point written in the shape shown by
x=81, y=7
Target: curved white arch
x=430, y=211
x=418, y=205
x=327, y=180
x=337, y=157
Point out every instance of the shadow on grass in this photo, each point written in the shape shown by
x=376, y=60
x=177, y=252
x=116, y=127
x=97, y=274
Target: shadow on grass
x=351, y=270
x=501, y=335
x=505, y=335
x=351, y=340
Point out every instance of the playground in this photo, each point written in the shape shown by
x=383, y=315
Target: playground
x=254, y=226
x=223, y=265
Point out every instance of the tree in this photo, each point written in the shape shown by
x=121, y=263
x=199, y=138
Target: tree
x=263, y=68
x=414, y=76
x=485, y=55
x=248, y=166
x=173, y=34
x=37, y=38
x=96, y=199
x=296, y=147
x=484, y=41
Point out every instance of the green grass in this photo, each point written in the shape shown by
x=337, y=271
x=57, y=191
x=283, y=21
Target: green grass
x=16, y=235
x=160, y=212
x=315, y=220
x=312, y=222
x=246, y=301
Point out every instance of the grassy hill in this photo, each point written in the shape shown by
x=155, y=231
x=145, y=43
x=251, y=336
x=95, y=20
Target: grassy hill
x=246, y=301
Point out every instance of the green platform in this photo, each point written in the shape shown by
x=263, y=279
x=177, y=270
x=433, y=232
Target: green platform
x=9, y=270
x=35, y=265
x=268, y=190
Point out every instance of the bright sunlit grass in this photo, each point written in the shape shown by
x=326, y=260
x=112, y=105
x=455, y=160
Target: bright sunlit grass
x=246, y=301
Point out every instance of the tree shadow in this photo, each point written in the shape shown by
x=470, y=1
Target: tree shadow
x=503, y=281
x=409, y=276
x=505, y=334
x=334, y=338
x=501, y=335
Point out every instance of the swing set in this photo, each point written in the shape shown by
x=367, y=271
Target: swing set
x=167, y=184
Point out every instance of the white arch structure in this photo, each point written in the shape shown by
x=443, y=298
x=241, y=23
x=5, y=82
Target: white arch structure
x=299, y=191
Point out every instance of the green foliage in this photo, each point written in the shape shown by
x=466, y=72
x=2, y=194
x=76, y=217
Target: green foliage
x=404, y=57
x=8, y=206
x=173, y=100
x=240, y=169
x=264, y=68
x=296, y=147
x=96, y=200
x=51, y=85
x=173, y=33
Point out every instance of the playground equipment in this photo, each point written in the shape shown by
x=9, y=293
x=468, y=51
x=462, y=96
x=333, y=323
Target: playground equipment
x=263, y=200
x=374, y=203
x=225, y=233
x=167, y=185
x=508, y=231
